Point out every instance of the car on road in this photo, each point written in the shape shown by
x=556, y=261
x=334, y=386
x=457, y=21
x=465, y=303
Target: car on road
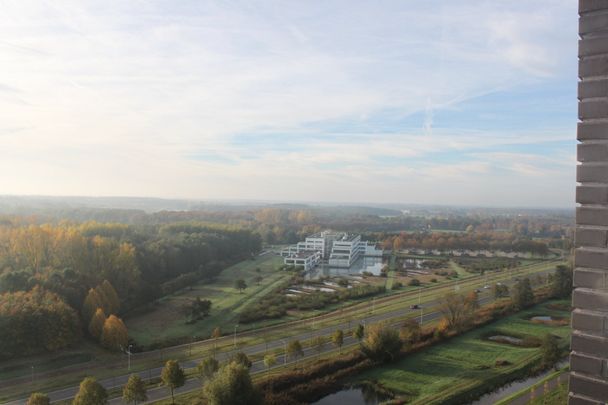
x=486, y=287
x=477, y=290
x=414, y=306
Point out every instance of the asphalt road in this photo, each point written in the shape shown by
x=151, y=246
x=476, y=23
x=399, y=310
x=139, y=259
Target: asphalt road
x=155, y=394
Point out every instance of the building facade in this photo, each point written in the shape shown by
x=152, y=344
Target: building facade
x=589, y=345
x=339, y=249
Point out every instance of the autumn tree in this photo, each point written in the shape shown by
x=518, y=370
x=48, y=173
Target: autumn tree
x=454, y=310
x=34, y=321
x=523, y=295
x=295, y=350
x=114, y=335
x=269, y=361
x=318, y=342
x=242, y=359
x=90, y=392
x=172, y=376
x=110, y=298
x=381, y=342
x=135, y=390
x=500, y=290
x=38, y=398
x=471, y=302
x=92, y=301
x=207, y=368
x=97, y=323
x=231, y=385
x=337, y=339
x=410, y=331
x=215, y=335
x=359, y=332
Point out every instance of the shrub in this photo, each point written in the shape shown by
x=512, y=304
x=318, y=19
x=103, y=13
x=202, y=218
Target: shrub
x=381, y=342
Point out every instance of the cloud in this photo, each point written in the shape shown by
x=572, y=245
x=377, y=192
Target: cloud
x=216, y=99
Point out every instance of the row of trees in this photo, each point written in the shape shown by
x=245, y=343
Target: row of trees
x=91, y=392
x=505, y=241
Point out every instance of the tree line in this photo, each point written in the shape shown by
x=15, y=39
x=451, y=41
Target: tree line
x=60, y=281
x=505, y=241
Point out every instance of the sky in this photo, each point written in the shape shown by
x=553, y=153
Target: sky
x=453, y=102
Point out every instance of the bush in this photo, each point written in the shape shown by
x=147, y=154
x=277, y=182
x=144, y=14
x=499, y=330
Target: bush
x=414, y=282
x=381, y=342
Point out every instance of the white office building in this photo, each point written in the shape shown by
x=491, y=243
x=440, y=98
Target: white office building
x=338, y=248
x=307, y=259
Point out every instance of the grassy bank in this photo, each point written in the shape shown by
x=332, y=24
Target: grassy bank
x=467, y=363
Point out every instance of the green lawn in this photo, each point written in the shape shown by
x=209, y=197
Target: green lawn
x=464, y=362
x=166, y=321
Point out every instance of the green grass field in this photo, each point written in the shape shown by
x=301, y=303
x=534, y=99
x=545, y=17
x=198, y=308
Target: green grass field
x=166, y=321
x=464, y=362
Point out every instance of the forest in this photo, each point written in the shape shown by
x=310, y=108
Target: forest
x=54, y=277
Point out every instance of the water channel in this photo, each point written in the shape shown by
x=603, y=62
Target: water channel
x=353, y=396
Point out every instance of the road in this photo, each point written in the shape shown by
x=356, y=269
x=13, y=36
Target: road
x=192, y=384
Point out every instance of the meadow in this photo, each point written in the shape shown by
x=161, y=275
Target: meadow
x=166, y=321
x=467, y=362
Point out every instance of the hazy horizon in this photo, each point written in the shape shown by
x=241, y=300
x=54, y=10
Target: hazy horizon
x=262, y=202
x=461, y=103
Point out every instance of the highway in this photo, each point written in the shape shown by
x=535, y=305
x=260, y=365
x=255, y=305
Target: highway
x=158, y=393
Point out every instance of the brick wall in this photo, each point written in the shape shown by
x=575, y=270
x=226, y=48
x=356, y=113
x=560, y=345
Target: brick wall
x=589, y=357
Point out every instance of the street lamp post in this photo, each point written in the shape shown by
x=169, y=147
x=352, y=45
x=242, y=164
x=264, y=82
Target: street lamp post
x=284, y=352
x=127, y=351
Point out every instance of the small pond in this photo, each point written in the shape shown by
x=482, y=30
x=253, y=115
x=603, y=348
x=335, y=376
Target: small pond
x=541, y=318
x=505, y=339
x=353, y=396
